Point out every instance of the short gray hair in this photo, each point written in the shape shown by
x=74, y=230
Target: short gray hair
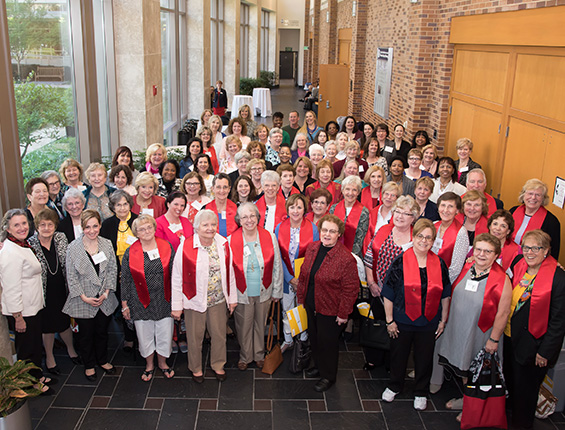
x=142, y=219
x=270, y=176
x=6, y=221
x=72, y=193
x=203, y=215
x=275, y=130
x=242, y=154
x=316, y=147
x=48, y=173
x=247, y=205
x=352, y=180
x=408, y=202
x=116, y=196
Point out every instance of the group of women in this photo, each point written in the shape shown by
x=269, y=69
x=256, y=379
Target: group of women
x=241, y=223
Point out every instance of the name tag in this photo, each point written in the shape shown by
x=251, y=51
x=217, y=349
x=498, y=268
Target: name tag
x=196, y=205
x=81, y=188
x=99, y=258
x=223, y=215
x=361, y=169
x=407, y=246
x=389, y=149
x=464, y=169
x=148, y=211
x=472, y=286
x=422, y=167
x=246, y=251
x=175, y=227
x=437, y=245
x=153, y=254
x=130, y=240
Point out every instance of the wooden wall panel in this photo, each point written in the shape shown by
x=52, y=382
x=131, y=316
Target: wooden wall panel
x=481, y=74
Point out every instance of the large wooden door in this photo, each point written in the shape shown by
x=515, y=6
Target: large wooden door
x=334, y=92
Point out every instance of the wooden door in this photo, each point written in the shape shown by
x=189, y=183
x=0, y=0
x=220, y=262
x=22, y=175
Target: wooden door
x=334, y=92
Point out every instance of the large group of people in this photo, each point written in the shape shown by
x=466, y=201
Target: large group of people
x=263, y=214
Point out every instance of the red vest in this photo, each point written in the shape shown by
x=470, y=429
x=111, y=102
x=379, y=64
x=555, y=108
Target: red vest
x=449, y=238
x=211, y=151
x=367, y=198
x=541, y=294
x=480, y=227
x=306, y=238
x=351, y=222
x=333, y=187
x=137, y=269
x=509, y=252
x=231, y=210
x=280, y=212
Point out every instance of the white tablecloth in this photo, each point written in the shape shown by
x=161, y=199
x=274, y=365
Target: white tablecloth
x=239, y=101
x=262, y=101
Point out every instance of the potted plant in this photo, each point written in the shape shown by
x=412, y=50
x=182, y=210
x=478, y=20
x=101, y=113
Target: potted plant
x=16, y=385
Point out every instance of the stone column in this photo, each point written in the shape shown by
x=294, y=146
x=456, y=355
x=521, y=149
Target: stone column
x=198, y=43
x=231, y=48
x=254, y=40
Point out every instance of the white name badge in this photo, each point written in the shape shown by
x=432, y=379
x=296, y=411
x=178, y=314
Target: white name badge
x=361, y=169
x=389, y=149
x=153, y=254
x=223, y=215
x=472, y=286
x=175, y=227
x=246, y=251
x=407, y=246
x=422, y=167
x=99, y=258
x=437, y=245
x=131, y=240
x=464, y=169
x=148, y=211
x=196, y=205
x=81, y=188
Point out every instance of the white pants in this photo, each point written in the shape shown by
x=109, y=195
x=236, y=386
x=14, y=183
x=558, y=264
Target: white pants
x=289, y=302
x=155, y=336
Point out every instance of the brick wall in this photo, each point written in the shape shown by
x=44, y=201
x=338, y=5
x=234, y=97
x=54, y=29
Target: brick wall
x=423, y=58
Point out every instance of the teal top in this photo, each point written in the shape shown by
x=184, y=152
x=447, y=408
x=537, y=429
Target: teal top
x=253, y=272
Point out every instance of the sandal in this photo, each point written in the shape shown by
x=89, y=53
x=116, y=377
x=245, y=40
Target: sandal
x=147, y=375
x=168, y=372
x=455, y=404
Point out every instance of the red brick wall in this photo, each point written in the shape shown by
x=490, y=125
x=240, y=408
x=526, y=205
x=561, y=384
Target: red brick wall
x=423, y=58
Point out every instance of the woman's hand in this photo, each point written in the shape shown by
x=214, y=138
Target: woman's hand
x=440, y=328
x=232, y=307
x=21, y=325
x=293, y=284
x=126, y=313
x=340, y=321
x=491, y=347
x=471, y=259
x=392, y=330
x=176, y=315
x=92, y=301
x=374, y=288
x=540, y=361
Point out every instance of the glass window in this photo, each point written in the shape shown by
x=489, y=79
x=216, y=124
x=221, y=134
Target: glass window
x=244, y=41
x=216, y=41
x=265, y=17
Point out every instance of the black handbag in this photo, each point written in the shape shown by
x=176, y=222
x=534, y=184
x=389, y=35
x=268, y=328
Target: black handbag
x=301, y=355
x=373, y=332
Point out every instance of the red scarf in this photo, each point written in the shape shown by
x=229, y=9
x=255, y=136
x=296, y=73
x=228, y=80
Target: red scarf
x=413, y=285
x=541, y=293
x=449, y=238
x=378, y=241
x=373, y=219
x=280, y=212
x=510, y=251
x=293, y=190
x=211, y=151
x=190, y=257
x=535, y=221
x=493, y=292
x=306, y=238
x=491, y=202
x=137, y=269
x=367, y=199
x=231, y=210
x=480, y=227
x=333, y=187
x=237, y=245
x=351, y=222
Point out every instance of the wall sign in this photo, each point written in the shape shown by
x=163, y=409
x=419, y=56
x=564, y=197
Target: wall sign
x=383, y=79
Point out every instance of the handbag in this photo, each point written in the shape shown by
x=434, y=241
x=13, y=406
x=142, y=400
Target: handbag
x=373, y=332
x=273, y=358
x=484, y=395
x=301, y=355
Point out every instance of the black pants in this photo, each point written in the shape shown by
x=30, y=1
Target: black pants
x=523, y=384
x=93, y=339
x=375, y=356
x=423, y=343
x=29, y=344
x=324, y=332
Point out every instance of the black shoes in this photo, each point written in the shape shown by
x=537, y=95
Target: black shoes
x=54, y=370
x=92, y=377
x=323, y=385
x=198, y=379
x=312, y=372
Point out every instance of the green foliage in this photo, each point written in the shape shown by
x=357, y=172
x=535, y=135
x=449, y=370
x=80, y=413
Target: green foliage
x=268, y=79
x=265, y=80
x=16, y=384
x=139, y=158
x=48, y=157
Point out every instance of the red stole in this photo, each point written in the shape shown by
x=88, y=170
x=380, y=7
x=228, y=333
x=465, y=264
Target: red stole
x=491, y=202
x=306, y=238
x=333, y=187
x=367, y=198
x=231, y=210
x=541, y=293
x=351, y=222
x=493, y=292
x=190, y=257
x=293, y=190
x=280, y=212
x=480, y=227
x=138, y=271
x=237, y=245
x=535, y=221
x=449, y=238
x=378, y=241
x=211, y=151
x=509, y=252
x=413, y=285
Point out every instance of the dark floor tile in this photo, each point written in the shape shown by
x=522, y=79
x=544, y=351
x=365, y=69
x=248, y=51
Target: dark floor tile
x=283, y=371
x=208, y=405
x=232, y=360
x=131, y=391
x=371, y=406
x=100, y=402
x=361, y=374
x=348, y=421
x=260, y=375
x=557, y=417
x=64, y=363
x=39, y=405
x=60, y=419
x=73, y=397
x=290, y=415
x=380, y=372
x=440, y=420
x=184, y=388
x=262, y=405
x=371, y=389
x=153, y=404
x=178, y=414
x=124, y=419
x=449, y=390
x=351, y=360
x=401, y=415
x=77, y=377
x=317, y=406
x=285, y=389
x=213, y=420
x=107, y=386
x=132, y=359
x=343, y=396
x=236, y=392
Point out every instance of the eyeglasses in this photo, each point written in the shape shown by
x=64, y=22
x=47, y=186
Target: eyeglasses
x=397, y=212
x=423, y=238
x=192, y=184
x=484, y=251
x=54, y=184
x=248, y=218
x=326, y=230
x=256, y=169
x=147, y=229
x=534, y=249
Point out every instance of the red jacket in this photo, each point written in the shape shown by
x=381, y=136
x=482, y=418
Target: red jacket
x=337, y=281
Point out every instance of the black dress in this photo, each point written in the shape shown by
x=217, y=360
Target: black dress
x=53, y=320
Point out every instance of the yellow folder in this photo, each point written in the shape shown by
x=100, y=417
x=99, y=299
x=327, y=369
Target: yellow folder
x=297, y=319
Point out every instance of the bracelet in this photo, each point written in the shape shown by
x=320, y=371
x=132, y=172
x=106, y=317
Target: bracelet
x=18, y=315
x=441, y=321
x=105, y=294
x=125, y=309
x=492, y=340
x=389, y=323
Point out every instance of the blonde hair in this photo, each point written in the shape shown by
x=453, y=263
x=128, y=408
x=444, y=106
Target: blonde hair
x=464, y=141
x=408, y=202
x=93, y=167
x=152, y=149
x=142, y=219
x=372, y=170
x=475, y=195
x=146, y=178
x=534, y=184
x=69, y=162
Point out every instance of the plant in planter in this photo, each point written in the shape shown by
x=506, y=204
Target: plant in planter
x=16, y=384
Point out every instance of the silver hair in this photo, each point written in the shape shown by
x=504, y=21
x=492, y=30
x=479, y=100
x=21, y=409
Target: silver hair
x=72, y=193
x=408, y=202
x=48, y=173
x=270, y=176
x=118, y=195
x=247, y=205
x=6, y=221
x=352, y=180
x=242, y=154
x=295, y=145
x=316, y=147
x=203, y=215
x=275, y=130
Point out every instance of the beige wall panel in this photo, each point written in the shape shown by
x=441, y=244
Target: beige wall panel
x=539, y=87
x=481, y=74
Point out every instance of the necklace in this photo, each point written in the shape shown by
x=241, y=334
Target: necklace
x=476, y=275
x=56, y=263
x=123, y=231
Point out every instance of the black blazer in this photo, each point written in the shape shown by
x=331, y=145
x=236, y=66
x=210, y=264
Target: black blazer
x=66, y=226
x=524, y=345
x=551, y=226
x=109, y=229
x=431, y=211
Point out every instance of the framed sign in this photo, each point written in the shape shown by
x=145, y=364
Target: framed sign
x=383, y=79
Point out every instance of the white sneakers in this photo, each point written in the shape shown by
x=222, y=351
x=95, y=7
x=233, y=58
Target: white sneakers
x=388, y=395
x=420, y=403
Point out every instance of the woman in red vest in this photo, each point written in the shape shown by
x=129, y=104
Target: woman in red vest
x=203, y=285
x=371, y=196
x=532, y=214
x=535, y=328
x=480, y=304
x=501, y=225
x=416, y=295
x=258, y=278
x=146, y=295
